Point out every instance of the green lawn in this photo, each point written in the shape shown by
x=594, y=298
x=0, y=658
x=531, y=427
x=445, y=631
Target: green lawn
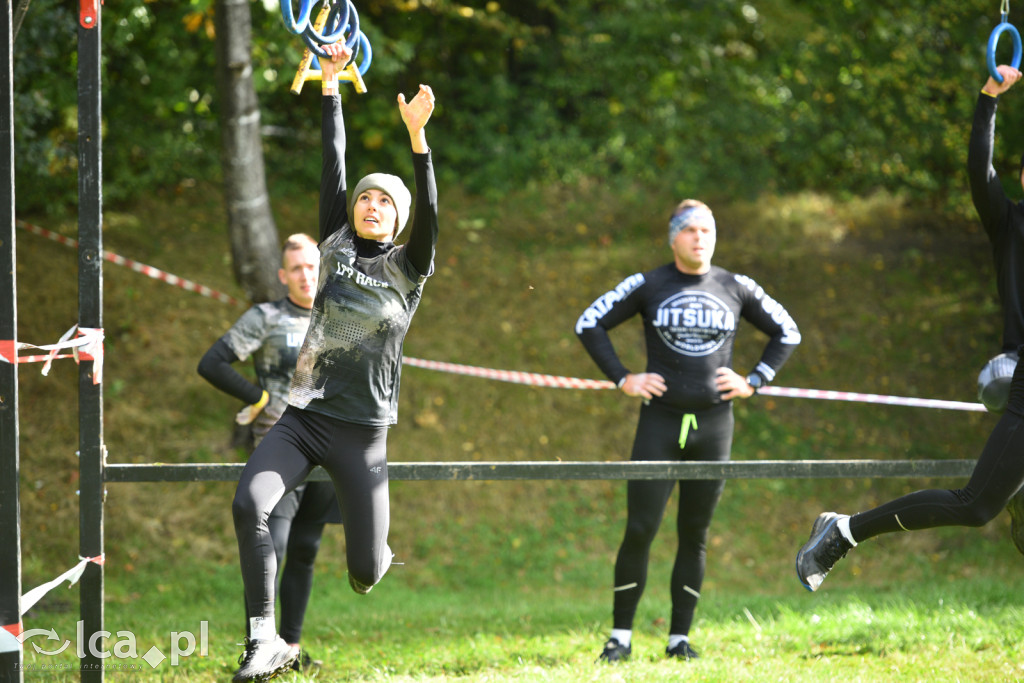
x=886, y=613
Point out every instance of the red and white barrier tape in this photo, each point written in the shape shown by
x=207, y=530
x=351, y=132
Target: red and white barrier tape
x=71, y=576
x=148, y=271
x=87, y=345
x=9, y=641
x=575, y=383
x=872, y=398
x=13, y=635
x=514, y=376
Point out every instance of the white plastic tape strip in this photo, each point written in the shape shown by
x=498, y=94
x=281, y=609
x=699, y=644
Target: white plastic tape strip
x=71, y=576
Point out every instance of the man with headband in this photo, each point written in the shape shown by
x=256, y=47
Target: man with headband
x=690, y=311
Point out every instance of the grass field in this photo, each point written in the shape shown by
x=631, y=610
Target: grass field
x=509, y=581
x=901, y=617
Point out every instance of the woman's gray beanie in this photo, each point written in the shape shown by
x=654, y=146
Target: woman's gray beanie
x=392, y=186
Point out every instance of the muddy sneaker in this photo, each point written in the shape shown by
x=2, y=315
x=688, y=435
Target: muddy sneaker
x=615, y=652
x=823, y=549
x=263, y=659
x=682, y=650
x=1016, y=509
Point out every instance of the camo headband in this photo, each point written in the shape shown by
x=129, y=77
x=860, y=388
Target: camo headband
x=687, y=217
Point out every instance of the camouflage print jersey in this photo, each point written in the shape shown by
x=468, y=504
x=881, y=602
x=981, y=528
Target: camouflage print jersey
x=351, y=362
x=272, y=334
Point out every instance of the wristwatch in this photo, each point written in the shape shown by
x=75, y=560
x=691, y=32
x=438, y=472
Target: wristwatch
x=755, y=381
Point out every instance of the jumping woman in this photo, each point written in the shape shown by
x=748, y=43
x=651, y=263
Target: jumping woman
x=344, y=394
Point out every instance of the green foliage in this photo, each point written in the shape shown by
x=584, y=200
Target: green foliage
x=45, y=108
x=158, y=130
x=719, y=98
x=887, y=93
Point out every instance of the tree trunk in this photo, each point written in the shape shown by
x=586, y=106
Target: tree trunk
x=255, y=246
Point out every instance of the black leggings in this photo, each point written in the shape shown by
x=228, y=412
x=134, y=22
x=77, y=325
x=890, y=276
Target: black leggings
x=997, y=476
x=303, y=544
x=297, y=526
x=657, y=438
x=354, y=456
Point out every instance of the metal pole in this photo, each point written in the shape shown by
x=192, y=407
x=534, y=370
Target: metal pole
x=11, y=657
x=90, y=315
x=563, y=470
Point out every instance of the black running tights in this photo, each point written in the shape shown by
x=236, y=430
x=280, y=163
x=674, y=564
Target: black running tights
x=355, y=458
x=658, y=438
x=997, y=476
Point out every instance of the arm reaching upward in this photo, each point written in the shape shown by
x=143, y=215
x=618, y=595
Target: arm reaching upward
x=415, y=114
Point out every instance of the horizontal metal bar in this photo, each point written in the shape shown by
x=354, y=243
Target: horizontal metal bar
x=495, y=471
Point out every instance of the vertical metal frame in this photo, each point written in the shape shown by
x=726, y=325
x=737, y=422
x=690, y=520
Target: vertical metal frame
x=11, y=656
x=90, y=315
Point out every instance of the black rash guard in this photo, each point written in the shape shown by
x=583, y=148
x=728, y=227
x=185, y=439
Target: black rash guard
x=1002, y=219
x=690, y=324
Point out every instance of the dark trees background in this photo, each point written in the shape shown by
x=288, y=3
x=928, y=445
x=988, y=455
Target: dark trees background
x=715, y=98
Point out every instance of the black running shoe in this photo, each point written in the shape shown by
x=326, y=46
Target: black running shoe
x=682, y=650
x=823, y=549
x=615, y=652
x=1016, y=509
x=263, y=659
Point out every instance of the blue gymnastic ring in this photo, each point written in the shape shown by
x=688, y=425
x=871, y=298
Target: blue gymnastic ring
x=314, y=46
x=305, y=8
x=364, y=46
x=353, y=27
x=337, y=25
x=334, y=27
x=993, y=40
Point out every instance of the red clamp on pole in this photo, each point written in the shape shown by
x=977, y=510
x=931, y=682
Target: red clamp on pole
x=88, y=13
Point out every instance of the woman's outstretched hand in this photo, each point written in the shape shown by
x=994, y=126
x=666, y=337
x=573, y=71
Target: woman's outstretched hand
x=415, y=114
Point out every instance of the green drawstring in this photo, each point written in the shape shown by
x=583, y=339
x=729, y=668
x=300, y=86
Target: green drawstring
x=689, y=419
